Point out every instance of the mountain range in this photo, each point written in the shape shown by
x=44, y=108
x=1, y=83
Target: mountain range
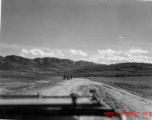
x=47, y=63
x=82, y=68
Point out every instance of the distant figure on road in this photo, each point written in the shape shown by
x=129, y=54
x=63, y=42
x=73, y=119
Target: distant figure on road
x=64, y=76
x=68, y=77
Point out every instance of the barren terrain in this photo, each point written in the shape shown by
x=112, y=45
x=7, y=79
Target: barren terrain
x=116, y=98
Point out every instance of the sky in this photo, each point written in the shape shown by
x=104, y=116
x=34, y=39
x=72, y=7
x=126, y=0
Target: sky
x=0, y=14
x=100, y=31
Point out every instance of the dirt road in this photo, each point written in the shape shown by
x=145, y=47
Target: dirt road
x=116, y=98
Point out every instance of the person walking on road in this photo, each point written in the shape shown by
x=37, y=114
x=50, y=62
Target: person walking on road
x=64, y=76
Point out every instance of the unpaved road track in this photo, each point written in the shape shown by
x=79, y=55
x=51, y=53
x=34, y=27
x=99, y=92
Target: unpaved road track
x=116, y=98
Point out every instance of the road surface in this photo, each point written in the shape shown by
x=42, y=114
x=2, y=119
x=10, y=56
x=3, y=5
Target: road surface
x=116, y=98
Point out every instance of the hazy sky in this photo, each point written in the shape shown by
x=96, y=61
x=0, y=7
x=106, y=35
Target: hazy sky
x=102, y=31
x=0, y=14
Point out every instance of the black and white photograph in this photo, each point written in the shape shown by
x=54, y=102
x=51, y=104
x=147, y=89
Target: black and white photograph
x=75, y=59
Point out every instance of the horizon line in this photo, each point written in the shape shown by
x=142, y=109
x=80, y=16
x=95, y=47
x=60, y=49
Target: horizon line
x=75, y=61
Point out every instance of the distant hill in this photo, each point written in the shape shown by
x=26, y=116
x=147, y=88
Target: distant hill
x=115, y=70
x=77, y=68
x=48, y=63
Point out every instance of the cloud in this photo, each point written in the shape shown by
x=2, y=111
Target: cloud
x=37, y=52
x=109, y=52
x=120, y=37
x=137, y=51
x=14, y=45
x=106, y=56
x=22, y=55
x=40, y=53
x=78, y=52
x=110, y=56
x=74, y=52
x=25, y=51
x=2, y=45
x=59, y=53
